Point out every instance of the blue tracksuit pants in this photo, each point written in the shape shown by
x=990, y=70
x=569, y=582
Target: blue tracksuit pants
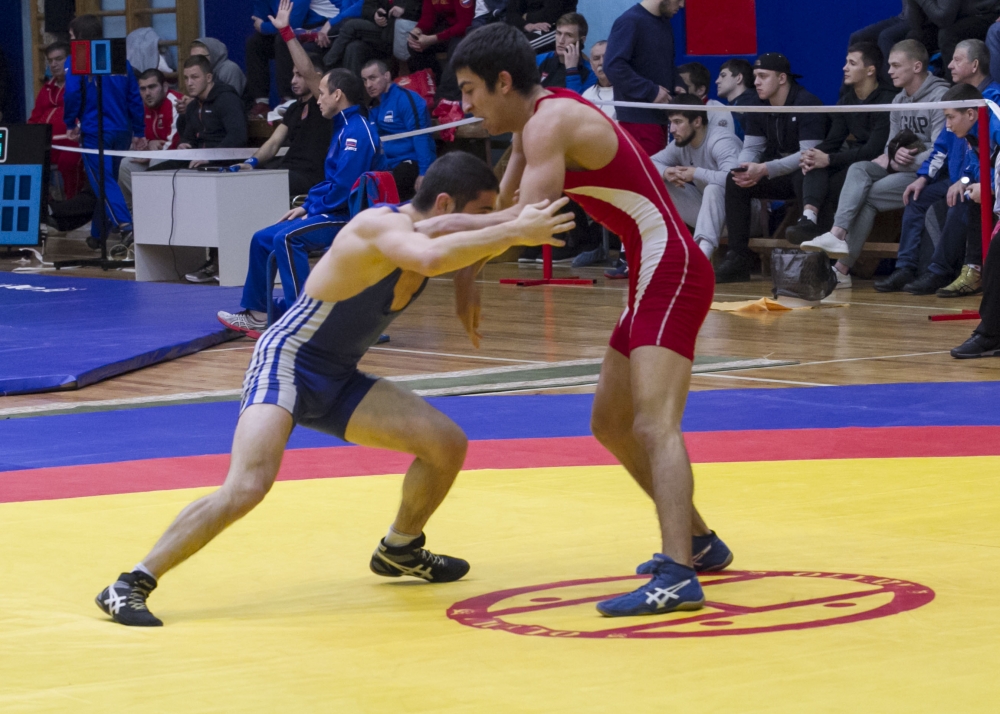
x=291, y=242
x=117, y=210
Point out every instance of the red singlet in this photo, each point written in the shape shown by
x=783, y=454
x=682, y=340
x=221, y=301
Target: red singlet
x=671, y=283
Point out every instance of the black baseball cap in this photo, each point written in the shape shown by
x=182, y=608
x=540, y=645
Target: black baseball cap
x=775, y=62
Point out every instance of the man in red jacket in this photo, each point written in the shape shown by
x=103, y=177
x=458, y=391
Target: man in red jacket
x=161, y=108
x=442, y=25
x=49, y=110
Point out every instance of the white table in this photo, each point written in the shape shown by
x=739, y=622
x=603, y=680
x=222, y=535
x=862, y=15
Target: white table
x=175, y=217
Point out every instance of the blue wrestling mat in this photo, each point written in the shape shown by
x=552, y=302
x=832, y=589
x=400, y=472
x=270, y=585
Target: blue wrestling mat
x=66, y=333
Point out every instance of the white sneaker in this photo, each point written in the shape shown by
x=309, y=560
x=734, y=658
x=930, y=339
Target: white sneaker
x=244, y=322
x=829, y=244
x=843, y=281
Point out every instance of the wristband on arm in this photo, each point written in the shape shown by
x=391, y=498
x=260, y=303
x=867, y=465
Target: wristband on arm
x=287, y=33
x=253, y=161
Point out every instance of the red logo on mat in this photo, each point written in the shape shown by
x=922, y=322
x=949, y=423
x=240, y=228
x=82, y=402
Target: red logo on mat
x=737, y=603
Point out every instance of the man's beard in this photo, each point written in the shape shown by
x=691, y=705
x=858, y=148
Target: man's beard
x=682, y=143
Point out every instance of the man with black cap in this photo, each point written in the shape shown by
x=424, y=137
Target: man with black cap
x=771, y=152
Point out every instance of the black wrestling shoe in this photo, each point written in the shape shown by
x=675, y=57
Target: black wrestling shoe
x=413, y=560
x=734, y=268
x=802, y=231
x=125, y=600
x=977, y=346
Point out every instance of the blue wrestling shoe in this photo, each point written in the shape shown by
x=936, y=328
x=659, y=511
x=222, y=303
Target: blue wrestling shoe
x=709, y=553
x=673, y=587
x=414, y=560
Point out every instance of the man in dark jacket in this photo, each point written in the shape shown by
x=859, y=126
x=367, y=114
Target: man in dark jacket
x=537, y=18
x=371, y=35
x=942, y=24
x=640, y=64
x=852, y=138
x=771, y=153
x=214, y=118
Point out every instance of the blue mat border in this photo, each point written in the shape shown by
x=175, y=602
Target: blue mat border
x=207, y=428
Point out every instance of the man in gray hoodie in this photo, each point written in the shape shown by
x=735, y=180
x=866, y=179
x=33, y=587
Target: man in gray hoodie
x=223, y=68
x=878, y=185
x=694, y=167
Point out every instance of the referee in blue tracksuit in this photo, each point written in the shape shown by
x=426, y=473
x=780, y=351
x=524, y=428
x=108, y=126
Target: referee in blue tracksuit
x=354, y=149
x=124, y=126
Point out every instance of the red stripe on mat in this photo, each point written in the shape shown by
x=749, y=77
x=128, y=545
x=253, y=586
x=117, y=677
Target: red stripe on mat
x=704, y=447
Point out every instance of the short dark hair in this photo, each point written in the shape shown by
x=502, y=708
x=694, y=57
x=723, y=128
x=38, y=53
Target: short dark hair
x=199, y=43
x=741, y=67
x=913, y=49
x=458, y=174
x=962, y=92
x=699, y=74
x=488, y=51
x=153, y=72
x=198, y=61
x=574, y=18
x=57, y=46
x=87, y=27
x=871, y=55
x=382, y=66
x=688, y=100
x=349, y=83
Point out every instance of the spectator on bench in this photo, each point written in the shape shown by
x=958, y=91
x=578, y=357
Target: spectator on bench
x=49, y=109
x=852, y=138
x=223, y=68
x=961, y=239
x=697, y=78
x=161, y=115
x=771, y=152
x=942, y=168
x=601, y=91
x=884, y=34
x=640, y=64
x=306, y=133
x=214, y=117
x=567, y=66
x=537, y=19
x=942, y=24
x=695, y=165
x=354, y=150
x=735, y=85
x=124, y=128
x=442, y=25
x=265, y=45
x=878, y=185
x=397, y=110
x=374, y=33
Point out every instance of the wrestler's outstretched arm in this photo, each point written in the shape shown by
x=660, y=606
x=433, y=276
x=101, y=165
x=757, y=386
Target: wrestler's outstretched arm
x=535, y=225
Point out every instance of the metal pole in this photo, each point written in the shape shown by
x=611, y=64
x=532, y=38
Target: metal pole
x=103, y=214
x=985, y=176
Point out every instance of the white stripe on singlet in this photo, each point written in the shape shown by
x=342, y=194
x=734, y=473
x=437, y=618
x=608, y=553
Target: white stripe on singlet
x=661, y=190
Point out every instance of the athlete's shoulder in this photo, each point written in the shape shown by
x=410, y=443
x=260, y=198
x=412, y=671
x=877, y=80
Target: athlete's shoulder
x=372, y=222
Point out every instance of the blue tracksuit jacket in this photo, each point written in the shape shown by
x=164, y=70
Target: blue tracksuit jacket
x=394, y=115
x=354, y=149
x=123, y=109
x=302, y=16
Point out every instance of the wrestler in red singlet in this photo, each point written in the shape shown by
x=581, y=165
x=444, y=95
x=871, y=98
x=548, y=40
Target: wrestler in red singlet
x=671, y=283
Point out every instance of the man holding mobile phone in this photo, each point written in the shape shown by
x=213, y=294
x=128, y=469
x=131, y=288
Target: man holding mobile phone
x=567, y=66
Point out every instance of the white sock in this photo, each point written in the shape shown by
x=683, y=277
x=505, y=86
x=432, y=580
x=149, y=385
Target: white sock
x=810, y=214
x=395, y=539
x=262, y=100
x=143, y=569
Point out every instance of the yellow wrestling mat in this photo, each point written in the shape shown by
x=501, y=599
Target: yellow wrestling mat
x=862, y=586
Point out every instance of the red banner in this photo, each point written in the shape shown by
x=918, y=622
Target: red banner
x=721, y=27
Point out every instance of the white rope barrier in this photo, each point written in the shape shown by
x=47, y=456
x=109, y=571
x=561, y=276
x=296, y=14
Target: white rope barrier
x=815, y=109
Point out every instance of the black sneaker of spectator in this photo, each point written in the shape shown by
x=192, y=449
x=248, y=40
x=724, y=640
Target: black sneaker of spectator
x=977, y=346
x=734, y=268
x=531, y=255
x=927, y=284
x=900, y=278
x=802, y=231
x=205, y=274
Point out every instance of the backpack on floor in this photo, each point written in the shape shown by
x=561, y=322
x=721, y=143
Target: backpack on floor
x=797, y=274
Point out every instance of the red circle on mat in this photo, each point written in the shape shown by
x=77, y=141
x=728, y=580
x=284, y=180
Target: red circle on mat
x=780, y=603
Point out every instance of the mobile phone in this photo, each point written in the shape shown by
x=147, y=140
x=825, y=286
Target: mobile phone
x=738, y=170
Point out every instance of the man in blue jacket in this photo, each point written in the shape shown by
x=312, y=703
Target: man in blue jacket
x=265, y=45
x=124, y=127
x=960, y=248
x=399, y=110
x=354, y=149
x=640, y=64
x=567, y=66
